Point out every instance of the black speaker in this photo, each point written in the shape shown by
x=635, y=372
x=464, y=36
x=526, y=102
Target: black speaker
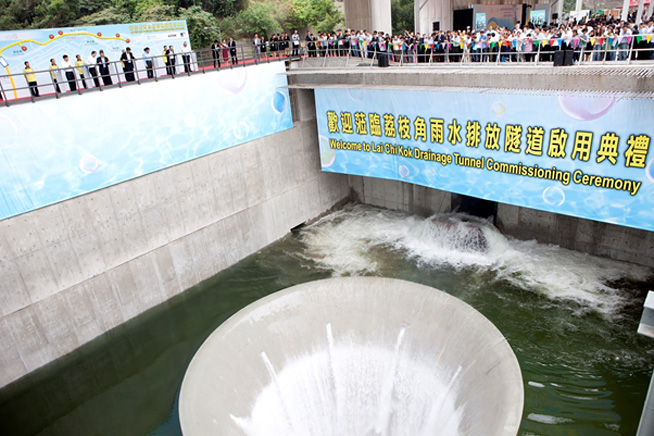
x=569, y=57
x=436, y=25
x=382, y=60
x=558, y=58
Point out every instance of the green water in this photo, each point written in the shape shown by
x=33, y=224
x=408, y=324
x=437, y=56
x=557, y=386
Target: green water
x=570, y=318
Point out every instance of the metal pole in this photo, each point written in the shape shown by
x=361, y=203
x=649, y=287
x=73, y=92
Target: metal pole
x=3, y=94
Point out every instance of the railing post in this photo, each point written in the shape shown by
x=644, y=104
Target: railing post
x=3, y=95
x=55, y=84
x=136, y=71
x=581, y=52
x=631, y=49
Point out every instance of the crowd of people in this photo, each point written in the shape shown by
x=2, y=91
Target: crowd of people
x=603, y=38
x=600, y=39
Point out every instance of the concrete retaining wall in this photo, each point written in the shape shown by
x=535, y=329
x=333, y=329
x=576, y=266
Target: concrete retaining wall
x=76, y=269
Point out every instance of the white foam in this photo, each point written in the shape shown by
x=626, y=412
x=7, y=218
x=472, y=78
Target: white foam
x=376, y=392
x=347, y=242
x=547, y=419
x=535, y=384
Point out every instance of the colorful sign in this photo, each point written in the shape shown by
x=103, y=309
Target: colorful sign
x=497, y=15
x=576, y=154
x=53, y=149
x=40, y=45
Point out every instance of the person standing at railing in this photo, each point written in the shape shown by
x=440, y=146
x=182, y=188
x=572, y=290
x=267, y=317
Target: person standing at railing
x=225, y=51
x=256, y=48
x=296, y=43
x=164, y=56
x=69, y=71
x=127, y=58
x=30, y=77
x=149, y=62
x=93, y=72
x=232, y=50
x=79, y=66
x=170, y=55
x=103, y=63
x=186, y=57
x=623, y=42
x=54, y=72
x=215, y=53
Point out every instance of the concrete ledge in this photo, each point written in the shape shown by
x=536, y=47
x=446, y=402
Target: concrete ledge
x=636, y=78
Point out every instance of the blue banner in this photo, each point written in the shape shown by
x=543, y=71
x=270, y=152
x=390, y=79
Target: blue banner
x=576, y=154
x=58, y=149
x=38, y=46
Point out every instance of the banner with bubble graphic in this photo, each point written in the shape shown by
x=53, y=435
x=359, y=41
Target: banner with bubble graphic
x=58, y=149
x=584, y=155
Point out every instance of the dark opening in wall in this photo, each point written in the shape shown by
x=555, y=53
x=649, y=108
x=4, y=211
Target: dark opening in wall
x=474, y=206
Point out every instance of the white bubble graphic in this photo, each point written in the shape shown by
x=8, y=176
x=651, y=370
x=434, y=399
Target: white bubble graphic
x=498, y=108
x=327, y=154
x=88, y=164
x=554, y=196
x=404, y=171
x=241, y=130
x=279, y=102
x=650, y=171
x=585, y=107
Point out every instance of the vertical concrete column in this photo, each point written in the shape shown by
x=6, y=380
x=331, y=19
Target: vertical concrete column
x=639, y=14
x=625, y=10
x=368, y=14
x=426, y=12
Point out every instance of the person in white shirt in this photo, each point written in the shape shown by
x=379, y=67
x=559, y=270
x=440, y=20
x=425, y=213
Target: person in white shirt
x=186, y=57
x=69, y=72
x=295, y=38
x=93, y=71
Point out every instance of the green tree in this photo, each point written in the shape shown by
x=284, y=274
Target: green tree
x=402, y=15
x=320, y=15
x=105, y=16
x=56, y=13
x=201, y=26
x=258, y=17
x=158, y=13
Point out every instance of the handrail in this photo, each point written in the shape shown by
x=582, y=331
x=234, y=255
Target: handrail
x=91, y=77
x=623, y=49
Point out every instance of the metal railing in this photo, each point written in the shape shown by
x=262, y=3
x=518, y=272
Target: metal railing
x=585, y=50
x=59, y=82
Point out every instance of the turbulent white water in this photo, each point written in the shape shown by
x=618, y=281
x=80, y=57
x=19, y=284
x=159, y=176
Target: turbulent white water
x=344, y=243
x=370, y=391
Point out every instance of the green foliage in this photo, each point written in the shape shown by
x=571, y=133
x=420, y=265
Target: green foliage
x=258, y=17
x=233, y=17
x=158, y=13
x=196, y=21
x=402, y=16
x=320, y=15
x=56, y=13
x=105, y=16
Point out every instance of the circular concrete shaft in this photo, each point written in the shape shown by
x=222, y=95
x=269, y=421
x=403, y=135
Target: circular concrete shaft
x=358, y=356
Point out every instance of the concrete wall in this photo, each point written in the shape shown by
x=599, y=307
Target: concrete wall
x=368, y=14
x=76, y=269
x=601, y=239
